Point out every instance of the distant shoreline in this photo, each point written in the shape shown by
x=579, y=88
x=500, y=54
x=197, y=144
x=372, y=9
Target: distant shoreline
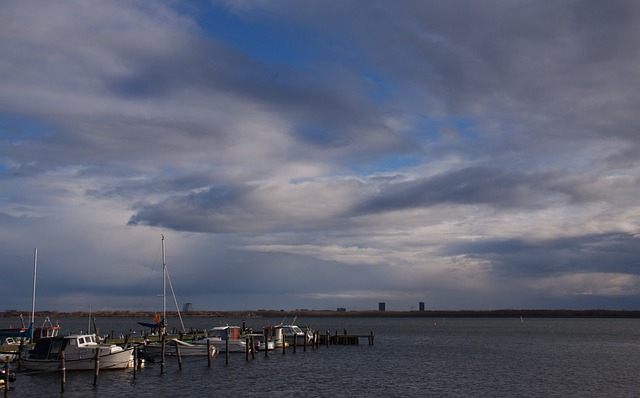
x=508, y=313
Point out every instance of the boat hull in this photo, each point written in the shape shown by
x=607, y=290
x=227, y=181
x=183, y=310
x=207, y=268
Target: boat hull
x=221, y=345
x=186, y=350
x=111, y=361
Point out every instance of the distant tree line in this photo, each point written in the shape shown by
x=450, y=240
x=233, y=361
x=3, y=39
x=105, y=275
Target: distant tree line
x=505, y=313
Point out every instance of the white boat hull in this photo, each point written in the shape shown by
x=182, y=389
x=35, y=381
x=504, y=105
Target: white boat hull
x=111, y=361
x=186, y=349
x=221, y=345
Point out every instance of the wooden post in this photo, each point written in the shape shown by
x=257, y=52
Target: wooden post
x=96, y=367
x=63, y=378
x=178, y=355
x=335, y=342
x=295, y=342
x=328, y=335
x=306, y=333
x=284, y=345
x=209, y=352
x=371, y=338
x=135, y=361
x=247, y=347
x=162, y=348
x=266, y=343
x=253, y=348
x=226, y=344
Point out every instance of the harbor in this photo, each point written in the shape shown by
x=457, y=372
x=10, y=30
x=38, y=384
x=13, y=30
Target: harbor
x=149, y=354
x=411, y=356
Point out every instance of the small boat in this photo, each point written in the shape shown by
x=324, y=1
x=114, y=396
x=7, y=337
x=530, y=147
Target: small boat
x=9, y=349
x=289, y=331
x=79, y=353
x=218, y=335
x=274, y=338
x=172, y=346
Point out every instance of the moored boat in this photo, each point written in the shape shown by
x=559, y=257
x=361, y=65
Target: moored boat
x=79, y=354
x=294, y=332
x=9, y=349
x=218, y=336
x=172, y=347
x=273, y=338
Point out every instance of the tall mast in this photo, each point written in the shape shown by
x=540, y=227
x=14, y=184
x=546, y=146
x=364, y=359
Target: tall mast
x=33, y=293
x=164, y=286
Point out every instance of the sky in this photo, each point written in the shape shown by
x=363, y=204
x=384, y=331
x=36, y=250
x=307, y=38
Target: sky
x=320, y=154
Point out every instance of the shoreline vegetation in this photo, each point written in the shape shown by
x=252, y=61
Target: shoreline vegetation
x=506, y=313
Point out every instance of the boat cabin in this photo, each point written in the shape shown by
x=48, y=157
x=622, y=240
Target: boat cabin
x=234, y=332
x=274, y=334
x=50, y=348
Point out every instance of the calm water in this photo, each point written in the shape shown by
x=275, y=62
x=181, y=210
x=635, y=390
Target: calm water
x=410, y=357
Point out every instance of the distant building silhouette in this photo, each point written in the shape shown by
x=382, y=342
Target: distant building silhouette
x=421, y=305
x=382, y=306
x=341, y=309
x=187, y=307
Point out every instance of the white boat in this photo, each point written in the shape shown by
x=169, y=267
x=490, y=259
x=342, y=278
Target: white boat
x=289, y=331
x=218, y=338
x=79, y=354
x=274, y=338
x=172, y=347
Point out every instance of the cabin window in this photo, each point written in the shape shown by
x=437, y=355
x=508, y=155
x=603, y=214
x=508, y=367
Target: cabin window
x=55, y=347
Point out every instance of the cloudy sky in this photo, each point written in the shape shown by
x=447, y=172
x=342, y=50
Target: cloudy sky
x=320, y=154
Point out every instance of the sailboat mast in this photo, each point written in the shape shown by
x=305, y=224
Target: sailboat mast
x=164, y=285
x=33, y=292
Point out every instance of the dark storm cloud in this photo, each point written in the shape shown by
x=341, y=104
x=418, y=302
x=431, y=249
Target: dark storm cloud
x=482, y=186
x=209, y=211
x=597, y=253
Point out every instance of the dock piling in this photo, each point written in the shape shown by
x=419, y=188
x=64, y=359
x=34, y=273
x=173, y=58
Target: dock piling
x=96, y=368
x=162, y=350
x=63, y=375
x=227, y=348
x=178, y=354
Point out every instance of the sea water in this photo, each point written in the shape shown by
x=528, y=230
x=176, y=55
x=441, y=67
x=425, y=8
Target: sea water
x=453, y=357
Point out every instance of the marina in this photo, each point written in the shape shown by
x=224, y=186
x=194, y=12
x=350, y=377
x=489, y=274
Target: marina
x=432, y=356
x=137, y=354
x=452, y=357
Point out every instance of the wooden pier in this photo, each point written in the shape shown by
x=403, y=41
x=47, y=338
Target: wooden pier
x=323, y=338
x=344, y=338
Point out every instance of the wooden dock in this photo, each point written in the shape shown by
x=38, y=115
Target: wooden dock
x=322, y=338
x=344, y=338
